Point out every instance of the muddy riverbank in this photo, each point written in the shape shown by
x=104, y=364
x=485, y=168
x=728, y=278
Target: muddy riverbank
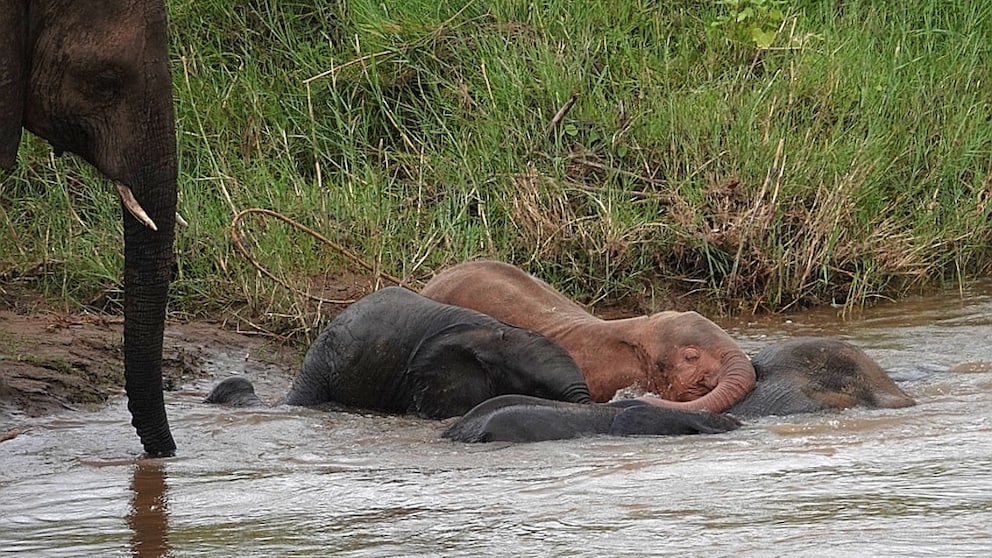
x=52, y=361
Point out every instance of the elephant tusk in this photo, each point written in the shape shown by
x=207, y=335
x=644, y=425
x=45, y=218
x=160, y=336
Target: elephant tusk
x=133, y=207
x=180, y=221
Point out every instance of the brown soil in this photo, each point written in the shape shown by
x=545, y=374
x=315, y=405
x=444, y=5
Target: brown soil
x=51, y=361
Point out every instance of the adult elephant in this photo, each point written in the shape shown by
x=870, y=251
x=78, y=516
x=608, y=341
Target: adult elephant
x=802, y=375
x=399, y=352
x=682, y=356
x=92, y=77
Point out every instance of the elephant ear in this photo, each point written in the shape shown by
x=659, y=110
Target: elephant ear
x=13, y=77
x=445, y=375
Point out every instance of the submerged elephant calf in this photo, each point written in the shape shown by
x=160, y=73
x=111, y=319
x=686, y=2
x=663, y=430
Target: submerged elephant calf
x=520, y=418
x=812, y=374
x=399, y=352
x=682, y=356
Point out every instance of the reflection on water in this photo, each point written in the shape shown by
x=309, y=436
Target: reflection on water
x=149, y=515
x=298, y=482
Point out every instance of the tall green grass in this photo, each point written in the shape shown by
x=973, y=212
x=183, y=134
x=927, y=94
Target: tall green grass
x=851, y=160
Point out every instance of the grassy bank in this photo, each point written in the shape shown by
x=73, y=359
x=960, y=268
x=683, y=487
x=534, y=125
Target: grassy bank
x=635, y=150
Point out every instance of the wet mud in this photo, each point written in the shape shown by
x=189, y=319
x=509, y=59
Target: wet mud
x=51, y=361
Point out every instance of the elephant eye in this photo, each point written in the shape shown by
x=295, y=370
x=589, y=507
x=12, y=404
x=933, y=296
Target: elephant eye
x=103, y=85
x=106, y=85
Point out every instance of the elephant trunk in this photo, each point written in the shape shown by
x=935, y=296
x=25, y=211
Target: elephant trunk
x=148, y=261
x=736, y=380
x=576, y=393
x=149, y=169
x=893, y=399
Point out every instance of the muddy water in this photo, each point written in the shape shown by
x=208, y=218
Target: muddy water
x=297, y=482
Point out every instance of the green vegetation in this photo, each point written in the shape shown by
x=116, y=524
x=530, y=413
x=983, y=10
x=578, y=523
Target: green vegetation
x=620, y=150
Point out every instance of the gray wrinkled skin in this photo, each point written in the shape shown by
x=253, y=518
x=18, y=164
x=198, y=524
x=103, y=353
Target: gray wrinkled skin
x=812, y=374
x=517, y=418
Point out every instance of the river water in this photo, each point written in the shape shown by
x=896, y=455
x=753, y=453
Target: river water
x=297, y=482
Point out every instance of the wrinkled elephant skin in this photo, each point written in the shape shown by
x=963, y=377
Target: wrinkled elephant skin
x=811, y=374
x=92, y=78
x=687, y=359
x=399, y=352
x=519, y=418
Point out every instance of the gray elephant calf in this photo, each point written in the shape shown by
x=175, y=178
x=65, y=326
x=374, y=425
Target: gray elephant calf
x=399, y=352
x=812, y=374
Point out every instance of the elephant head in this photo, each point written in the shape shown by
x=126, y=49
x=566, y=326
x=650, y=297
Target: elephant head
x=92, y=78
x=810, y=374
x=690, y=362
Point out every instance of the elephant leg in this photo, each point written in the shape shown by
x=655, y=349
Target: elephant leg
x=517, y=418
x=649, y=420
x=530, y=423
